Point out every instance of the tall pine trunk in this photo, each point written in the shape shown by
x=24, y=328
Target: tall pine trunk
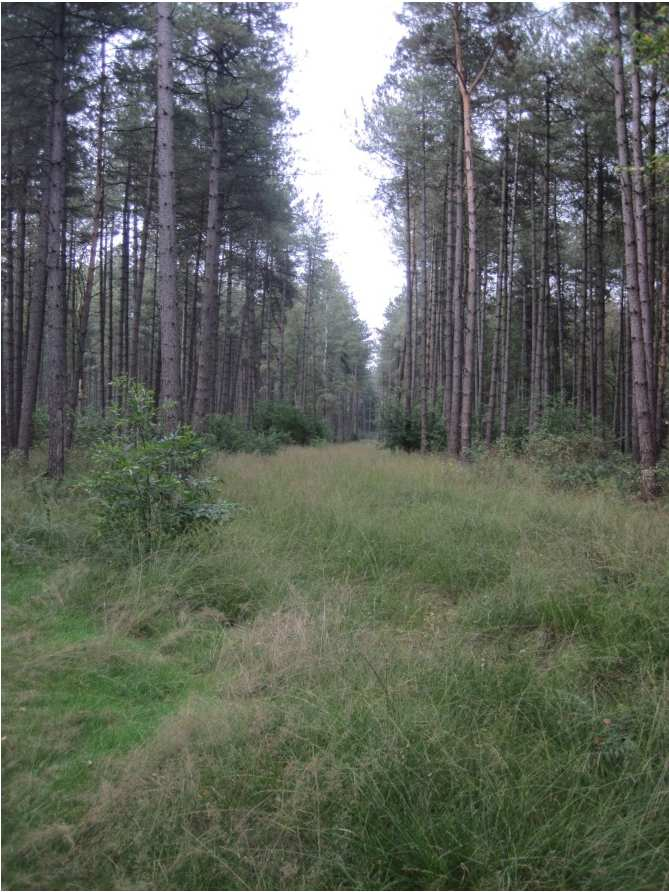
x=208, y=331
x=138, y=289
x=499, y=297
x=84, y=309
x=408, y=333
x=466, y=91
x=55, y=291
x=457, y=309
x=643, y=411
x=170, y=384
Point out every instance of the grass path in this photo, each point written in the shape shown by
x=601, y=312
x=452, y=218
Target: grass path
x=385, y=672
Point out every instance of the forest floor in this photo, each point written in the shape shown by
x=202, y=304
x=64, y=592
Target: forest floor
x=385, y=672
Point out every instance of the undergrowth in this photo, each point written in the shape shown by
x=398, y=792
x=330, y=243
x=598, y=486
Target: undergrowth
x=570, y=449
x=387, y=671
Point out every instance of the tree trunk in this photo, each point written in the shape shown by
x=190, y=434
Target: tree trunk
x=559, y=298
x=8, y=322
x=84, y=309
x=409, y=363
x=639, y=213
x=170, y=384
x=19, y=310
x=600, y=302
x=425, y=356
x=583, y=339
x=448, y=292
x=506, y=361
x=499, y=296
x=466, y=92
x=227, y=343
x=123, y=320
x=138, y=290
x=456, y=374
x=55, y=294
x=110, y=308
x=544, y=308
x=470, y=310
x=103, y=307
x=190, y=384
x=208, y=332
x=661, y=426
x=643, y=412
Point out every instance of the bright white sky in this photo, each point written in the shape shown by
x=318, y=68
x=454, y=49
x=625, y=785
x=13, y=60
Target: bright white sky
x=341, y=52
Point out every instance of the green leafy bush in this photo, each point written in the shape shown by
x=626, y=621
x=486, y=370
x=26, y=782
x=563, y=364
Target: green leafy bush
x=40, y=425
x=575, y=451
x=230, y=435
x=91, y=426
x=134, y=416
x=284, y=419
x=401, y=431
x=144, y=484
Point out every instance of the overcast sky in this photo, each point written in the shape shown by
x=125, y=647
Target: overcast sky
x=341, y=52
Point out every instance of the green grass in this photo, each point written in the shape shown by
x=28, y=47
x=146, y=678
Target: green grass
x=386, y=672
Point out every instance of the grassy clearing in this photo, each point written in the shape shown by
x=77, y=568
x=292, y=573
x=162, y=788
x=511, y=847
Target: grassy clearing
x=386, y=672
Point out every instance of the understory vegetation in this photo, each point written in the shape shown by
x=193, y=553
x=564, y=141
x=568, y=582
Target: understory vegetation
x=386, y=671
x=274, y=424
x=570, y=449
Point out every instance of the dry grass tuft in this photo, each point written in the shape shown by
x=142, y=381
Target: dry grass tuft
x=300, y=641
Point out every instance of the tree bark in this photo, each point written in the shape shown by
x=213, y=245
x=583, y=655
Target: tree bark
x=138, y=290
x=170, y=384
x=425, y=356
x=506, y=361
x=208, y=331
x=457, y=309
x=19, y=310
x=8, y=322
x=639, y=214
x=643, y=411
x=600, y=302
x=466, y=92
x=84, y=309
x=409, y=363
x=499, y=296
x=470, y=308
x=583, y=337
x=55, y=293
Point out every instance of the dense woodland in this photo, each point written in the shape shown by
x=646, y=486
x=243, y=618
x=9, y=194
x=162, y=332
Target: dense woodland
x=150, y=228
x=529, y=190
x=151, y=232
x=231, y=662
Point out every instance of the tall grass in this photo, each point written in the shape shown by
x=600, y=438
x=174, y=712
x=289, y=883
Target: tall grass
x=387, y=672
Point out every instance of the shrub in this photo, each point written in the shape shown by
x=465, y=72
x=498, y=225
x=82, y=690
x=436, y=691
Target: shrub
x=134, y=416
x=399, y=431
x=40, y=425
x=230, y=435
x=562, y=418
x=573, y=451
x=144, y=483
x=282, y=418
x=91, y=426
